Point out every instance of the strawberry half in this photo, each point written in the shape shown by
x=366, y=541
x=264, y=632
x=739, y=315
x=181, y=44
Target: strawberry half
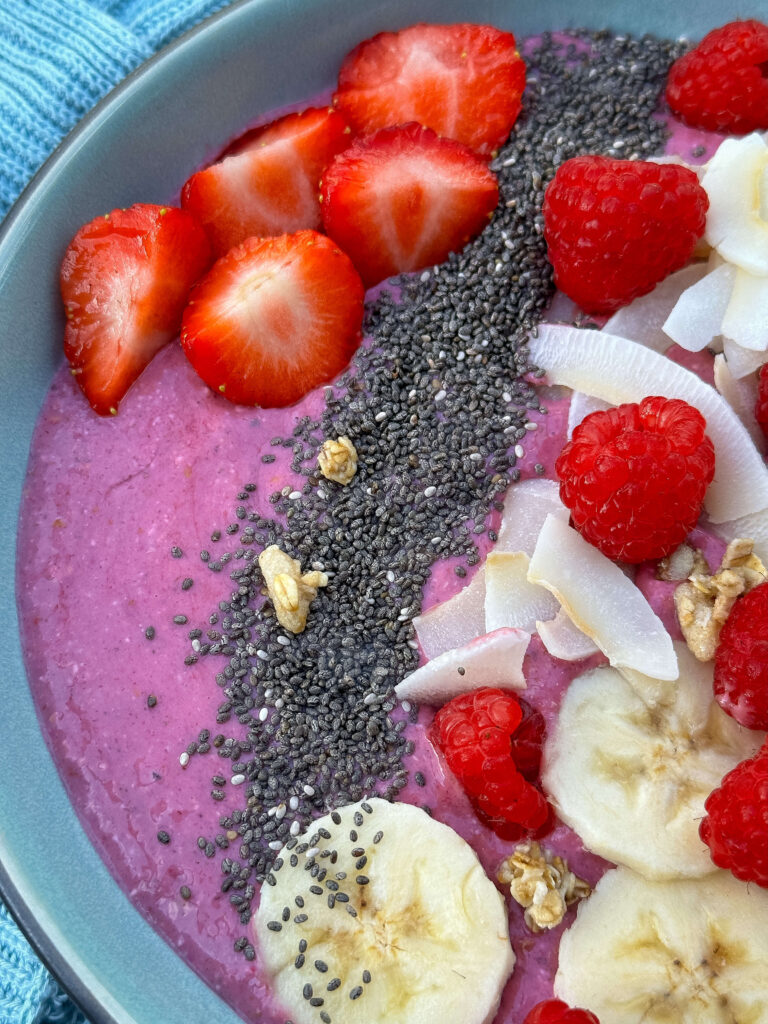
x=463, y=81
x=267, y=181
x=125, y=278
x=274, y=318
x=404, y=198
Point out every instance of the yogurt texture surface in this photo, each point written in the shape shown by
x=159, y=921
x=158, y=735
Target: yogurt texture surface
x=116, y=514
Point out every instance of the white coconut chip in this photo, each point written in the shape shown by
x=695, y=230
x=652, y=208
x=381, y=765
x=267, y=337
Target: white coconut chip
x=618, y=370
x=742, y=361
x=735, y=220
x=510, y=600
x=582, y=405
x=455, y=621
x=697, y=316
x=495, y=659
x=746, y=318
x=564, y=640
x=754, y=527
x=643, y=319
x=601, y=601
x=526, y=506
x=741, y=394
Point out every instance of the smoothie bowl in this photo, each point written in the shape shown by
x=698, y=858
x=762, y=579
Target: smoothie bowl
x=161, y=681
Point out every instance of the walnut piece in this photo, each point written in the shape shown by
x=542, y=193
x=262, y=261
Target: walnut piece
x=704, y=601
x=291, y=592
x=541, y=883
x=338, y=459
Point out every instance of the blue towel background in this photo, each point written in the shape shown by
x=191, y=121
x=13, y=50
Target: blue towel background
x=57, y=59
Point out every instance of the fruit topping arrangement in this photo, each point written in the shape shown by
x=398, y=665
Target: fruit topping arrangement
x=125, y=279
x=383, y=914
x=720, y=84
x=266, y=183
x=403, y=198
x=491, y=741
x=616, y=228
x=741, y=661
x=634, y=477
x=465, y=82
x=555, y=1011
x=652, y=754
x=274, y=317
x=735, y=825
x=395, y=173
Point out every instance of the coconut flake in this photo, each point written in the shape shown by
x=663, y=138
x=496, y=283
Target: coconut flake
x=601, y=601
x=741, y=394
x=563, y=638
x=698, y=314
x=742, y=361
x=582, y=405
x=643, y=320
x=495, y=659
x=510, y=600
x=526, y=506
x=754, y=526
x=618, y=370
x=735, y=226
x=454, y=622
x=746, y=318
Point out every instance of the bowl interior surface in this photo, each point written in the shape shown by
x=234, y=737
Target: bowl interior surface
x=140, y=145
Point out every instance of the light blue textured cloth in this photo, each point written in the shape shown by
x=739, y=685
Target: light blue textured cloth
x=57, y=59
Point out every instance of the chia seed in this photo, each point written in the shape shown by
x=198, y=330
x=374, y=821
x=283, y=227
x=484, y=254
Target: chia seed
x=435, y=425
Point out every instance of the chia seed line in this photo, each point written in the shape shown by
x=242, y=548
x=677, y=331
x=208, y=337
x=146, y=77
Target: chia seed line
x=437, y=406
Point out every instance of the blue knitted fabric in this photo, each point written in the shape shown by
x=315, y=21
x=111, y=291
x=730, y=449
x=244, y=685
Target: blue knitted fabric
x=57, y=59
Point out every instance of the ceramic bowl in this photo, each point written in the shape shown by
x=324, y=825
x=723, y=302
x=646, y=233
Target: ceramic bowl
x=139, y=144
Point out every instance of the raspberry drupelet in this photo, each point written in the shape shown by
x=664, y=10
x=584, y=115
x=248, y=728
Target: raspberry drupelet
x=741, y=661
x=634, y=477
x=736, y=824
x=555, y=1011
x=761, y=405
x=720, y=85
x=616, y=228
x=491, y=741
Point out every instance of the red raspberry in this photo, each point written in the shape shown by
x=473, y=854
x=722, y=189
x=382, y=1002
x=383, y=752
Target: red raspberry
x=720, y=85
x=736, y=826
x=615, y=228
x=634, y=477
x=491, y=741
x=555, y=1011
x=741, y=661
x=761, y=405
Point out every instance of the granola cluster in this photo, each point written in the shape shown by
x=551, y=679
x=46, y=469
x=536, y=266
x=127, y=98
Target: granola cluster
x=290, y=591
x=542, y=883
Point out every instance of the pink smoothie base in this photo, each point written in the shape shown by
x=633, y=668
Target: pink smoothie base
x=105, y=500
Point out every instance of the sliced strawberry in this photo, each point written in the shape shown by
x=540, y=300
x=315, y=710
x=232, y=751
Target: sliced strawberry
x=274, y=318
x=404, y=198
x=125, y=279
x=463, y=81
x=267, y=182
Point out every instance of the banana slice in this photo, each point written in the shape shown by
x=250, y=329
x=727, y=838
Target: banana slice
x=631, y=775
x=683, y=952
x=382, y=914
